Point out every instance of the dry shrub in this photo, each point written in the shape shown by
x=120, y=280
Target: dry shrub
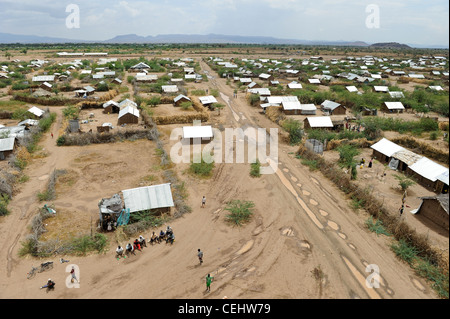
x=102, y=138
x=403, y=79
x=275, y=114
x=23, y=154
x=166, y=100
x=443, y=126
x=198, y=106
x=181, y=119
x=360, y=143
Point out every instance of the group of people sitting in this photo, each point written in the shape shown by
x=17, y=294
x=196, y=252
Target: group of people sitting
x=140, y=243
x=167, y=235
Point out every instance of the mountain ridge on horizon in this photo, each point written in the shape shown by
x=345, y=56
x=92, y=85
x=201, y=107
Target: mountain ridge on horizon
x=7, y=38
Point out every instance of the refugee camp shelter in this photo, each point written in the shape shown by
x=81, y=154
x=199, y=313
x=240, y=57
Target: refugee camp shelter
x=180, y=99
x=207, y=100
x=318, y=122
x=7, y=146
x=109, y=210
x=111, y=107
x=201, y=133
x=128, y=115
x=442, y=183
x=384, y=149
x=155, y=197
x=169, y=88
x=36, y=111
x=435, y=209
x=333, y=108
x=351, y=88
x=426, y=172
x=291, y=107
x=393, y=107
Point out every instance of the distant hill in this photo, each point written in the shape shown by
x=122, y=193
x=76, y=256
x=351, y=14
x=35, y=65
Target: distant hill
x=20, y=38
x=175, y=38
x=390, y=45
x=199, y=38
x=220, y=38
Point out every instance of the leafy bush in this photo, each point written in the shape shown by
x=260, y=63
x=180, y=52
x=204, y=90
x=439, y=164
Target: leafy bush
x=254, y=169
x=240, y=212
x=376, y=227
x=202, y=168
x=294, y=128
x=405, y=251
x=4, y=200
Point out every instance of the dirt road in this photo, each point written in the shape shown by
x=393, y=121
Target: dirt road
x=303, y=242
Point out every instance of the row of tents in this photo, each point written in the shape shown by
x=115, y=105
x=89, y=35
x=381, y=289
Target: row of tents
x=427, y=172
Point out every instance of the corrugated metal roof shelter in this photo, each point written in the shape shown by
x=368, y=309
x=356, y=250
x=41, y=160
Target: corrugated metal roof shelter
x=148, y=198
x=308, y=109
x=329, y=105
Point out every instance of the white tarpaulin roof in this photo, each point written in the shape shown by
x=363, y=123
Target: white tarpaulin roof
x=351, y=88
x=381, y=88
x=428, y=169
x=129, y=109
x=207, y=99
x=394, y=105
x=444, y=177
x=386, y=147
x=320, y=121
x=7, y=144
x=148, y=197
x=197, y=131
x=36, y=111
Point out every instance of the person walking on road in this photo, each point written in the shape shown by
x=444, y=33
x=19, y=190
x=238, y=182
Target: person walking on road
x=203, y=202
x=200, y=256
x=209, y=279
x=74, y=277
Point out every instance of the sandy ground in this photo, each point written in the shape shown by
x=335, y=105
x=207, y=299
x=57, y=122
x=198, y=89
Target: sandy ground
x=303, y=242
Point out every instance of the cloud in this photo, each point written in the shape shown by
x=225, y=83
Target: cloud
x=407, y=21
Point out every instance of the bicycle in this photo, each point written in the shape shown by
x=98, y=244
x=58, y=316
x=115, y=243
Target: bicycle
x=43, y=267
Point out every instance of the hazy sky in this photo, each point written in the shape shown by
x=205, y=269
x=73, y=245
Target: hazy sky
x=424, y=22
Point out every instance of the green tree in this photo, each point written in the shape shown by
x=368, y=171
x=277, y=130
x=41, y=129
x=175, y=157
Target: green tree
x=294, y=128
x=347, y=155
x=404, y=182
